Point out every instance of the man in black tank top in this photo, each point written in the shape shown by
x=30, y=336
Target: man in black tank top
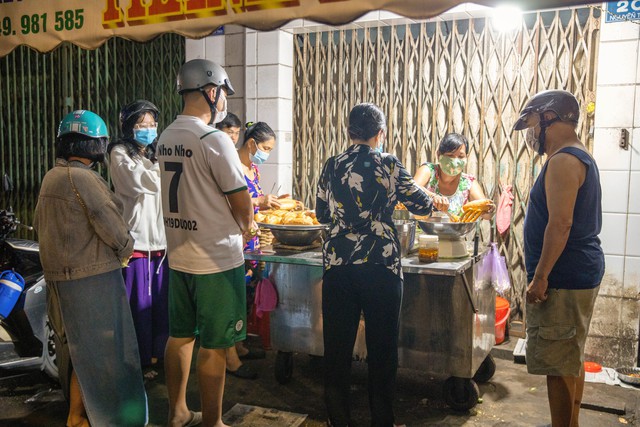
x=564, y=260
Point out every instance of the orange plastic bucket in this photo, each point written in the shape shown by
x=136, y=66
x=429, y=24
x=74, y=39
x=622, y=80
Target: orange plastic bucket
x=502, y=315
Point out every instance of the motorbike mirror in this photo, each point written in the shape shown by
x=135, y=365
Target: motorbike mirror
x=7, y=184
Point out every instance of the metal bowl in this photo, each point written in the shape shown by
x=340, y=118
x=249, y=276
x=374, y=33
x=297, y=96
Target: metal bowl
x=295, y=235
x=402, y=214
x=625, y=375
x=441, y=227
x=406, y=234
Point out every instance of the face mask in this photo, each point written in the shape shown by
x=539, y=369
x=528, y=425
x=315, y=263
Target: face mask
x=531, y=140
x=452, y=166
x=259, y=157
x=220, y=115
x=145, y=136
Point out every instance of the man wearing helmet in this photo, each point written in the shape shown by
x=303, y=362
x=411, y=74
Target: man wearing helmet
x=207, y=213
x=83, y=244
x=563, y=257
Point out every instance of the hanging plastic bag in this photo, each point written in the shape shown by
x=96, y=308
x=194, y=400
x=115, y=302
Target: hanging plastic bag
x=499, y=273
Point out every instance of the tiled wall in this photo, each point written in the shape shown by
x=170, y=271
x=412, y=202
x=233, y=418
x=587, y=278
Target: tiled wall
x=613, y=338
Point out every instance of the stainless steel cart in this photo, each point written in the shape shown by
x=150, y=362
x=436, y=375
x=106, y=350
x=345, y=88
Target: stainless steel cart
x=447, y=319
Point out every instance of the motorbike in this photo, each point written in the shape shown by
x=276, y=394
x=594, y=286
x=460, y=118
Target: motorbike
x=26, y=336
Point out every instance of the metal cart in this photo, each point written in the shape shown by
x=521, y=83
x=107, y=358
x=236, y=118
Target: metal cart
x=447, y=319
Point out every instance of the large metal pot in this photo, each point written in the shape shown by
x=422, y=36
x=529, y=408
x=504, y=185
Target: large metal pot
x=406, y=234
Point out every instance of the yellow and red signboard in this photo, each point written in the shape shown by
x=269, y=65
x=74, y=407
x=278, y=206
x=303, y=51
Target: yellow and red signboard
x=43, y=24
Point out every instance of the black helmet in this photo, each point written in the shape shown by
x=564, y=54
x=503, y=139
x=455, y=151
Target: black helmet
x=130, y=114
x=198, y=73
x=561, y=102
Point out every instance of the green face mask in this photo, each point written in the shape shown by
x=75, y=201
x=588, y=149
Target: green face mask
x=452, y=166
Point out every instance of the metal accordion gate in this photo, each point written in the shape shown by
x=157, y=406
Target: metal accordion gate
x=438, y=77
x=38, y=89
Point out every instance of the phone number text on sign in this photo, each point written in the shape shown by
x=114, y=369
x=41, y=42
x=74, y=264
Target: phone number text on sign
x=63, y=20
x=618, y=11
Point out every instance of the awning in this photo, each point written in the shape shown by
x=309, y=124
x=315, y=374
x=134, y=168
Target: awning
x=43, y=25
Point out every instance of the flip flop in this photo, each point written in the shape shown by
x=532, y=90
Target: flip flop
x=254, y=353
x=244, y=372
x=196, y=419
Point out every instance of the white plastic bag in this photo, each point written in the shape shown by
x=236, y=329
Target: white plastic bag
x=499, y=273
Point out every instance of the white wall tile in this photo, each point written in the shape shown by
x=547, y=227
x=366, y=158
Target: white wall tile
x=251, y=82
x=234, y=50
x=634, y=193
x=617, y=62
x=268, y=81
x=286, y=48
x=619, y=31
x=283, y=152
x=632, y=276
x=277, y=177
x=612, y=282
x=615, y=191
x=194, y=49
x=607, y=152
x=214, y=49
x=251, y=48
x=237, y=78
x=614, y=228
x=268, y=47
x=278, y=113
x=614, y=106
x=633, y=235
x=615, y=267
x=636, y=120
x=634, y=149
x=251, y=109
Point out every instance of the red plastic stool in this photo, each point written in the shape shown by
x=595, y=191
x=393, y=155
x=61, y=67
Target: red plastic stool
x=260, y=327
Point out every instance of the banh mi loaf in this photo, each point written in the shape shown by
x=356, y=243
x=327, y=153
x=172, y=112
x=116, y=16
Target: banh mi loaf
x=288, y=204
x=483, y=205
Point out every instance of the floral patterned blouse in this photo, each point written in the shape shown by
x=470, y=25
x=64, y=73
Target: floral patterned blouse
x=255, y=190
x=460, y=197
x=357, y=194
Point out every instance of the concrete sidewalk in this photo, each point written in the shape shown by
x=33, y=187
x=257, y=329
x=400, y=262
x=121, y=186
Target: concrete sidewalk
x=510, y=398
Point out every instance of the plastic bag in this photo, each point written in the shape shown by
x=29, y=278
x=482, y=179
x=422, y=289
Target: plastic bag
x=499, y=273
x=266, y=298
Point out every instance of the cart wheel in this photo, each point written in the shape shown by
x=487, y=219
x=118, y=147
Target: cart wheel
x=461, y=394
x=486, y=370
x=284, y=367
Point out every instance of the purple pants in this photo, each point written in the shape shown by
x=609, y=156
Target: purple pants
x=147, y=285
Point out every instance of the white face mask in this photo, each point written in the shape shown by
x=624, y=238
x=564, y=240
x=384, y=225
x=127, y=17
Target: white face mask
x=220, y=115
x=531, y=140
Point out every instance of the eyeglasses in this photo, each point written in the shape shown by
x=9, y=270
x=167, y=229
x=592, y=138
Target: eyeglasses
x=151, y=125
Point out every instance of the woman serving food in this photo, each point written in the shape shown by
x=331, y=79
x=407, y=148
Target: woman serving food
x=449, y=184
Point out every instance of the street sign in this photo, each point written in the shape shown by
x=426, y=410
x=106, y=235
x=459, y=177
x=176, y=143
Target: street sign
x=619, y=11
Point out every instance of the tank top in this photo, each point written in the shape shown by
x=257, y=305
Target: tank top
x=581, y=264
x=457, y=199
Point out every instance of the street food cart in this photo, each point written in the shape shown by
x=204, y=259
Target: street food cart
x=446, y=322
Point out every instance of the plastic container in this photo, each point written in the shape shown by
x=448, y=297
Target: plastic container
x=502, y=315
x=11, y=286
x=427, y=248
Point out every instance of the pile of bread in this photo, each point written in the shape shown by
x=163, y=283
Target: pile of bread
x=288, y=214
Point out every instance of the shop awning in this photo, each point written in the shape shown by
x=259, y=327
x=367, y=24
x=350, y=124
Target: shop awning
x=43, y=25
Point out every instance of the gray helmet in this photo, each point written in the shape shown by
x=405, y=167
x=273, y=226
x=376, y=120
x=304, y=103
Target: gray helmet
x=561, y=102
x=198, y=73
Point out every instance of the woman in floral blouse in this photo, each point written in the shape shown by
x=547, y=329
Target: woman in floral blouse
x=446, y=179
x=357, y=193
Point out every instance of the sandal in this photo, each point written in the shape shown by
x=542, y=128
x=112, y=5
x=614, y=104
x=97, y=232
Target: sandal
x=150, y=375
x=253, y=353
x=196, y=419
x=244, y=372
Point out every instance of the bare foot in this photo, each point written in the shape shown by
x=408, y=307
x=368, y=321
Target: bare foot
x=77, y=422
